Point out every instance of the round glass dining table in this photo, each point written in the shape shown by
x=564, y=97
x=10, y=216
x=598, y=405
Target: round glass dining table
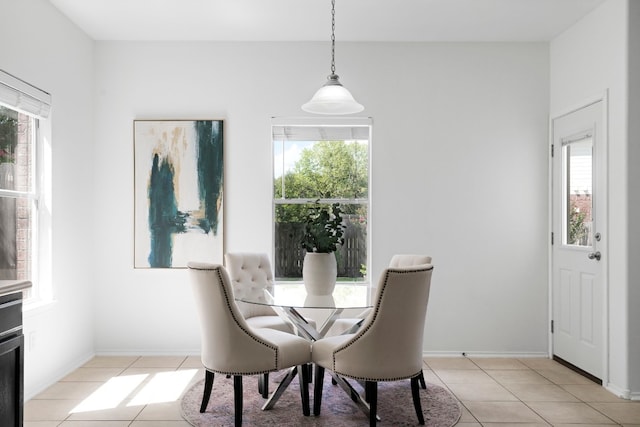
x=288, y=298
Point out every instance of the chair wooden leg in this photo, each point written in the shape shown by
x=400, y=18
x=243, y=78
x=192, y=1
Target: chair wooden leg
x=371, y=390
x=237, y=399
x=303, y=378
x=415, y=393
x=208, y=386
x=423, y=384
x=317, y=389
x=263, y=385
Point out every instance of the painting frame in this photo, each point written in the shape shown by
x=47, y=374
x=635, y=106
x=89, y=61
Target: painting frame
x=178, y=192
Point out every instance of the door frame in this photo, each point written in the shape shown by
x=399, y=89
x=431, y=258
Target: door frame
x=603, y=220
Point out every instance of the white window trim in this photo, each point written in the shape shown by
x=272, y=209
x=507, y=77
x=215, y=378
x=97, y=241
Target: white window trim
x=328, y=121
x=28, y=99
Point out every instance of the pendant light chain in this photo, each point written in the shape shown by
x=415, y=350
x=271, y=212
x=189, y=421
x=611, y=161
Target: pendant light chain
x=332, y=97
x=333, y=37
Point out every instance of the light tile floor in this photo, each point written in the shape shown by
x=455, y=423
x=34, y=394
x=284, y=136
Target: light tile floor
x=494, y=392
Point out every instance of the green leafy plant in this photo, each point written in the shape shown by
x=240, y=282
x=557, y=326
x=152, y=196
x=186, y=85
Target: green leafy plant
x=577, y=229
x=8, y=135
x=323, y=228
x=6, y=156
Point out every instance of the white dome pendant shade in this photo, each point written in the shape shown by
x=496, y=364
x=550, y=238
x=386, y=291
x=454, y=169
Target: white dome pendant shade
x=332, y=97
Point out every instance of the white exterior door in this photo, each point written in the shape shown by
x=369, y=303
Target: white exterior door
x=579, y=240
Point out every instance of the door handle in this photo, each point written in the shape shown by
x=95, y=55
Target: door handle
x=595, y=255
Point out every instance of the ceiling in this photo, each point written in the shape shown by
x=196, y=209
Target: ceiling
x=305, y=20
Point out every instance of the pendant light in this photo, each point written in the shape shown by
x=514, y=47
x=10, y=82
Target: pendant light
x=332, y=97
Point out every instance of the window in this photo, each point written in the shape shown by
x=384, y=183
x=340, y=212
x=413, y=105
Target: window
x=21, y=108
x=325, y=161
x=577, y=157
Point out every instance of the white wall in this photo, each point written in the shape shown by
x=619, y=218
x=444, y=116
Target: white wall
x=633, y=163
x=586, y=60
x=460, y=137
x=459, y=172
x=460, y=134
x=40, y=46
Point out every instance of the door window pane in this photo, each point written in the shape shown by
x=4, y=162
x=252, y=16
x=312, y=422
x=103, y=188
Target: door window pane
x=578, y=161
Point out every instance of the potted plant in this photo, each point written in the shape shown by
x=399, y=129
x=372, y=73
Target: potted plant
x=8, y=139
x=6, y=169
x=323, y=232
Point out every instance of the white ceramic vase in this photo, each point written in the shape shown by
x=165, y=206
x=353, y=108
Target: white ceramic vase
x=319, y=273
x=319, y=301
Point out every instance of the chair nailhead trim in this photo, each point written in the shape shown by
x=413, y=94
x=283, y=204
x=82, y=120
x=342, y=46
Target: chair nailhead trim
x=227, y=300
x=239, y=373
x=252, y=336
x=377, y=379
x=370, y=324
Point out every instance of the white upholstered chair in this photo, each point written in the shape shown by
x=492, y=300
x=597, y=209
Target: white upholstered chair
x=408, y=260
x=388, y=346
x=350, y=324
x=231, y=347
x=251, y=275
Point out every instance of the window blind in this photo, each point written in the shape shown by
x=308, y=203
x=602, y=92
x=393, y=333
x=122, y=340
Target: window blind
x=22, y=96
x=320, y=129
x=319, y=133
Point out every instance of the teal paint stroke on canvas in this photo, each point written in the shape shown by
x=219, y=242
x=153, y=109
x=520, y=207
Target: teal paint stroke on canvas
x=210, y=164
x=165, y=220
x=164, y=217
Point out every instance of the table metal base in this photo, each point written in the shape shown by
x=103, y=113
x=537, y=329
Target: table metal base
x=304, y=328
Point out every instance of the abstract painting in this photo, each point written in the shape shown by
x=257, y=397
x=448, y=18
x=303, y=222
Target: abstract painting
x=178, y=192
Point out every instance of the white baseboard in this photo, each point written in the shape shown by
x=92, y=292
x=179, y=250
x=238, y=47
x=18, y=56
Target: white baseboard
x=130, y=352
x=33, y=389
x=506, y=354
x=621, y=392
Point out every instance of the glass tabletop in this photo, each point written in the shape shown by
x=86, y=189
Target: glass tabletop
x=294, y=295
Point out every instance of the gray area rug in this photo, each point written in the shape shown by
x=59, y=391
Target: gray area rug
x=395, y=407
